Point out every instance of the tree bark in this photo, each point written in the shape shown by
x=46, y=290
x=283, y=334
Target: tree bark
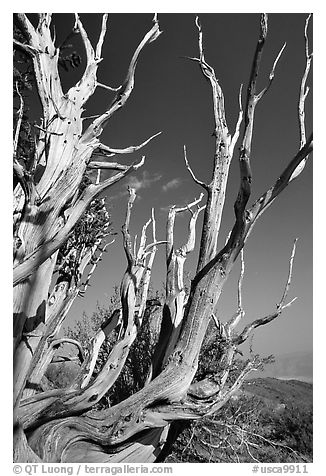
x=62, y=425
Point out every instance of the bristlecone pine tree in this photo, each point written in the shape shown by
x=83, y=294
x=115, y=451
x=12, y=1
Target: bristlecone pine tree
x=53, y=196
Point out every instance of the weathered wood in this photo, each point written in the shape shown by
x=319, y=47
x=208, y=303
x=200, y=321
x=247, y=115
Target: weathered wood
x=62, y=424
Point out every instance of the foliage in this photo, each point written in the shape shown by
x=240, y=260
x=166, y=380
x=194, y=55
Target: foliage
x=135, y=371
x=61, y=374
x=247, y=430
x=93, y=226
x=294, y=427
x=210, y=363
x=23, y=84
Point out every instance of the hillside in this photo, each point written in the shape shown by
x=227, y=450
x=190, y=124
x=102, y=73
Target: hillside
x=269, y=421
x=289, y=392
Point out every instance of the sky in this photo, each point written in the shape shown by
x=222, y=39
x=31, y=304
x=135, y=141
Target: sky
x=172, y=96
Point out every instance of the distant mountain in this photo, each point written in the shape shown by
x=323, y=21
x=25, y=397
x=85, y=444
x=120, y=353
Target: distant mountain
x=294, y=365
x=276, y=391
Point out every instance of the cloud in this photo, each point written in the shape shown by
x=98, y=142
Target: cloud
x=167, y=208
x=174, y=183
x=144, y=181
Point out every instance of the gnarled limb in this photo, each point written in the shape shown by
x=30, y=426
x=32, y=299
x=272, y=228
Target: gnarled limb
x=303, y=89
x=222, y=158
x=61, y=423
x=126, y=88
x=175, y=298
x=195, y=179
x=49, y=217
x=82, y=394
x=66, y=340
x=237, y=340
x=45, y=249
x=110, y=151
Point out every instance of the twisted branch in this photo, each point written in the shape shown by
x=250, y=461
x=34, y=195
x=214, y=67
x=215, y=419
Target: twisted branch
x=279, y=308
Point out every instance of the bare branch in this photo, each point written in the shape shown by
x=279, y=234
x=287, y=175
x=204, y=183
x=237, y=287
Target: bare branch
x=87, y=369
x=20, y=173
x=303, y=89
x=288, y=282
x=90, y=55
x=218, y=98
x=57, y=419
x=82, y=292
x=95, y=129
x=234, y=321
x=106, y=165
x=199, y=182
x=130, y=319
x=135, y=245
x=67, y=340
x=45, y=58
x=240, y=281
x=190, y=243
x=246, y=221
x=153, y=226
x=58, y=305
x=217, y=187
x=90, y=117
x=125, y=228
x=19, y=170
x=33, y=260
x=109, y=88
x=239, y=121
x=250, y=366
x=98, y=177
x=217, y=323
x=44, y=21
x=111, y=323
x=197, y=408
x=87, y=84
x=130, y=316
x=151, y=245
x=170, y=223
x=251, y=102
x=271, y=74
x=19, y=120
x=142, y=242
x=147, y=274
x=291, y=172
x=188, y=206
x=279, y=308
x=175, y=300
x=101, y=37
x=30, y=50
x=127, y=150
x=26, y=28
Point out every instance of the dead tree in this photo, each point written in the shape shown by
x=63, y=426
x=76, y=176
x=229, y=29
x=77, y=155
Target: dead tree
x=61, y=425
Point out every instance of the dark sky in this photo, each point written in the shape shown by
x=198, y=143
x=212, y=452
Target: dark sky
x=172, y=96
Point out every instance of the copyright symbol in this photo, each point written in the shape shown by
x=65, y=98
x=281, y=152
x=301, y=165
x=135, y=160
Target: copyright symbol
x=17, y=469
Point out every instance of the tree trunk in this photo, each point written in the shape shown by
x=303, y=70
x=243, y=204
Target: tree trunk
x=63, y=425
